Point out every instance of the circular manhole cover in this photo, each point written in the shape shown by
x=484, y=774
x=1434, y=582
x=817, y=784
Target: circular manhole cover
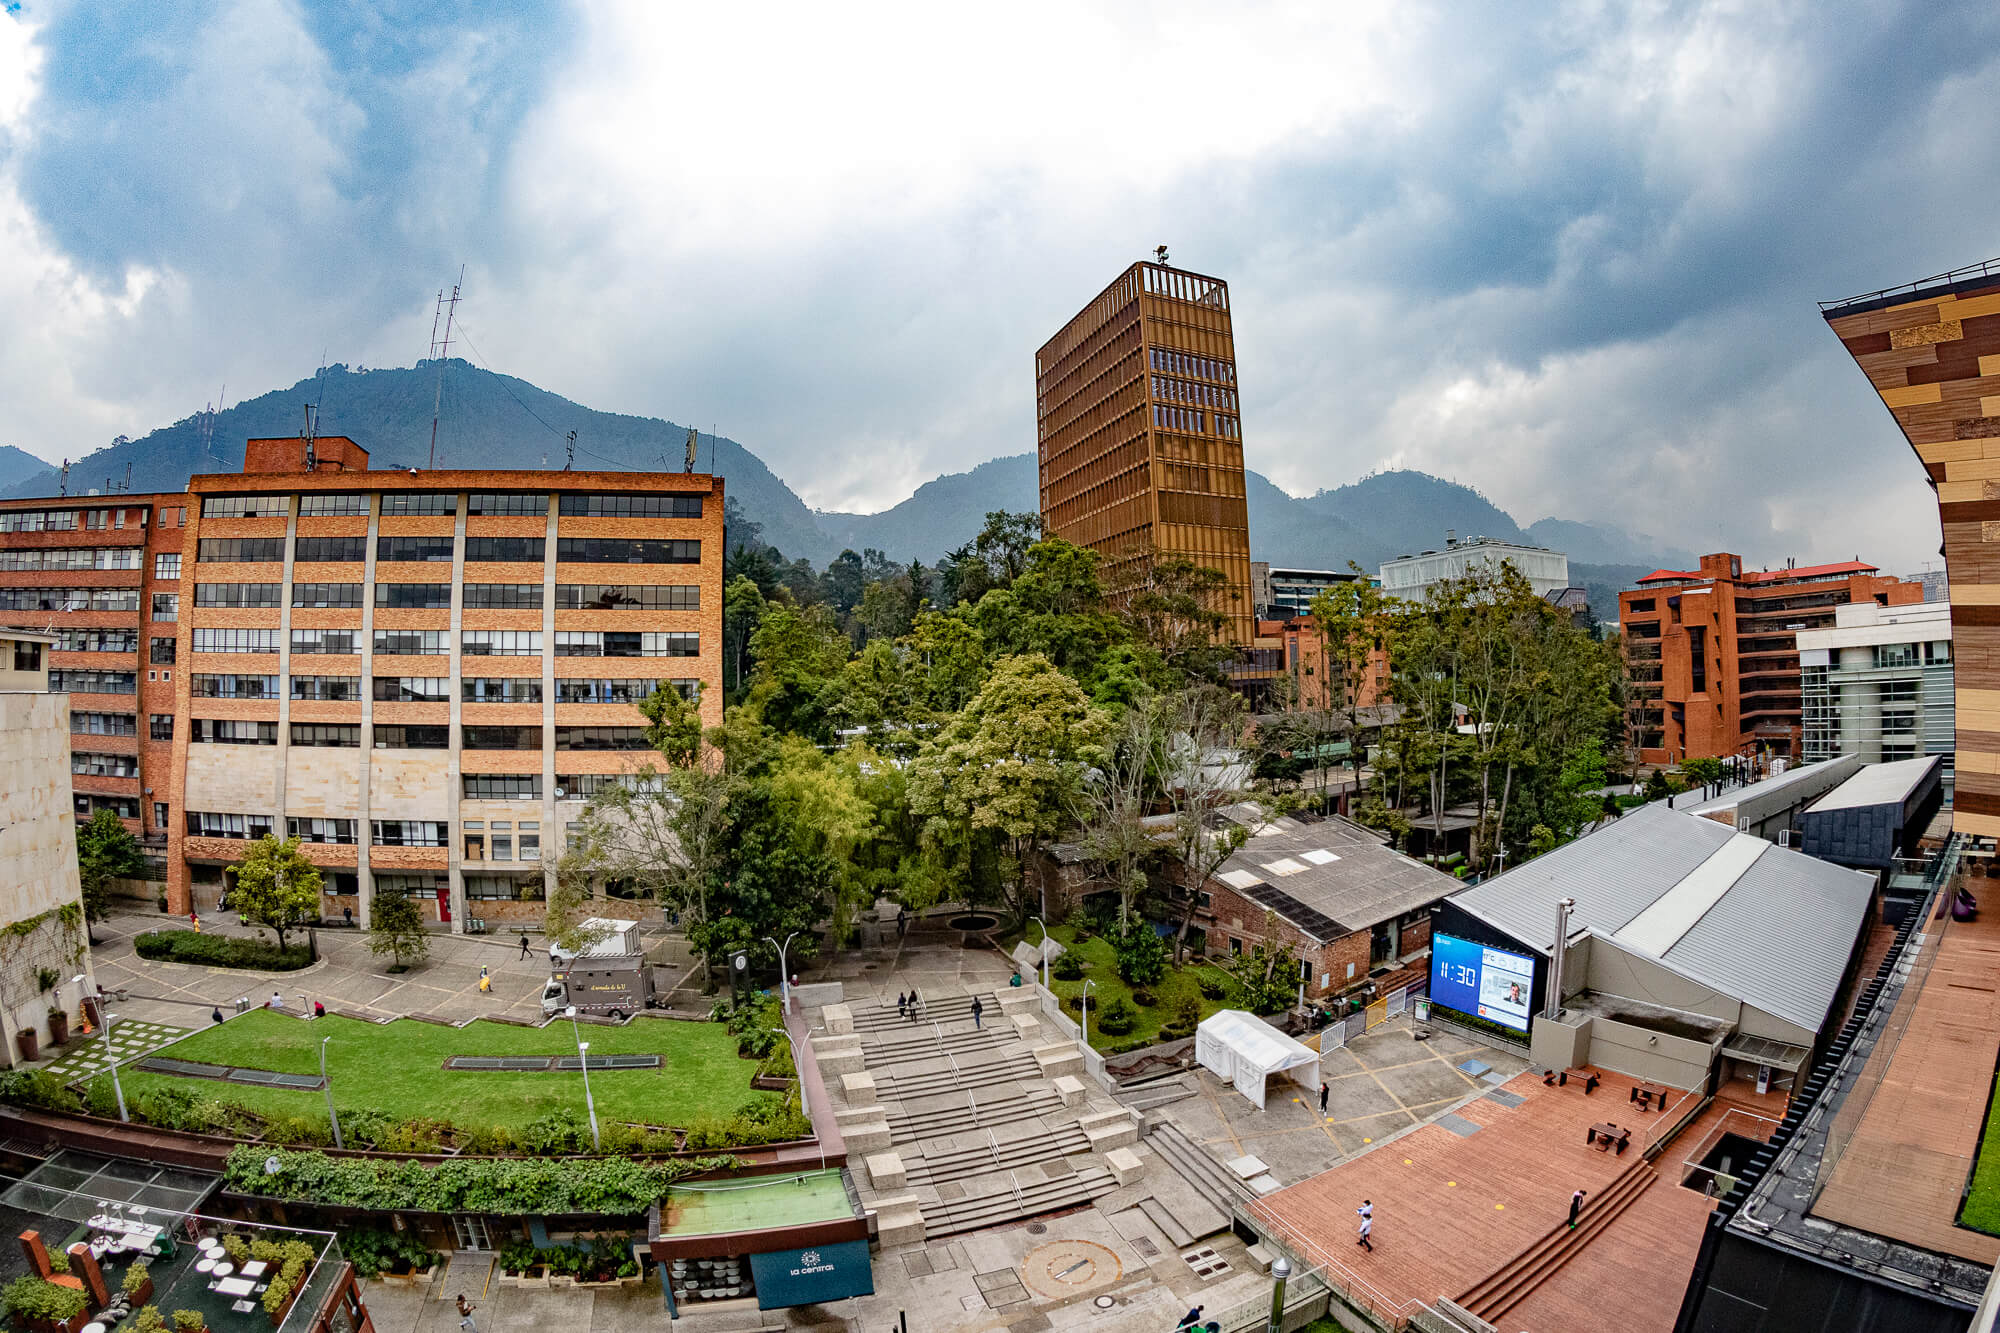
x=1037, y=1229
x=1104, y=1302
x=1069, y=1267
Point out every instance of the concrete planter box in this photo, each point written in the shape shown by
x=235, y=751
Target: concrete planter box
x=537, y=1277
x=417, y=1279
x=558, y=1280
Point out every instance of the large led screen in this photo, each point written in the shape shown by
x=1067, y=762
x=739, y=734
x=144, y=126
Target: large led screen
x=1486, y=983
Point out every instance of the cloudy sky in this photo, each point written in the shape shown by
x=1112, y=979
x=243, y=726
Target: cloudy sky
x=1567, y=253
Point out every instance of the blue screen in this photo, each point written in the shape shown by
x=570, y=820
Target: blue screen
x=1487, y=983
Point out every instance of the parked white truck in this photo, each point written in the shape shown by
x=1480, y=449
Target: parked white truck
x=609, y=976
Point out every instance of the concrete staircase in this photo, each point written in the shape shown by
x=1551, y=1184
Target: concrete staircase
x=893, y=1046
x=976, y=1108
x=994, y=1155
x=1209, y=1177
x=945, y=1009
x=954, y=1075
x=1494, y=1295
x=1018, y=1194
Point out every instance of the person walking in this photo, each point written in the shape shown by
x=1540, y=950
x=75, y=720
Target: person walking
x=216, y=1015
x=1367, y=1211
x=915, y=1004
x=977, y=1010
x=1191, y=1318
x=524, y=944
x=465, y=1314
x=1322, y=1099
x=902, y=1005
x=1575, y=1207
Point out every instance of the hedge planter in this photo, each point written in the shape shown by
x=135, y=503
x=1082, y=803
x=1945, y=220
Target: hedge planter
x=420, y=1278
x=143, y=1296
x=537, y=1277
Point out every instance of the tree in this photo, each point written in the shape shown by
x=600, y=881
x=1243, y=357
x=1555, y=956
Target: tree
x=799, y=650
x=743, y=608
x=1207, y=731
x=105, y=850
x=1701, y=771
x=1175, y=608
x=396, y=927
x=1353, y=623
x=1115, y=798
x=1003, y=543
x=276, y=886
x=673, y=724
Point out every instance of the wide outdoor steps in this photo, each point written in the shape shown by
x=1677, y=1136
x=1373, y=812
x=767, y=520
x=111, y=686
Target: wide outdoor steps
x=1501, y=1290
x=955, y=1074
x=1019, y=1194
x=971, y=1108
x=922, y=1041
x=1210, y=1178
x=947, y=1009
x=995, y=1155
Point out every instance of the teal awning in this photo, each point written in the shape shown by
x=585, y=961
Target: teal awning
x=812, y=1276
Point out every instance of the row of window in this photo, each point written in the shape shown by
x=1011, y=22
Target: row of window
x=496, y=840
x=347, y=735
x=65, y=520
x=329, y=505
x=71, y=557
x=1186, y=363
x=103, y=724
x=435, y=689
x=1176, y=418
x=1186, y=391
x=103, y=765
x=69, y=599
x=478, y=550
x=437, y=596
x=96, y=641
x=63, y=681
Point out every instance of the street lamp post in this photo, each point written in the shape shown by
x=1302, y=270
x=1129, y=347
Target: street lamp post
x=589, y=1103
x=784, y=972
x=109, y=1058
x=1084, y=1010
x=1281, y=1268
x=1045, y=949
x=327, y=1084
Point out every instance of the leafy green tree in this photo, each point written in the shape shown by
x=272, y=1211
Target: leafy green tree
x=1701, y=771
x=1177, y=609
x=1004, y=541
x=844, y=582
x=105, y=850
x=1208, y=738
x=743, y=607
x=673, y=724
x=276, y=886
x=1354, y=622
x=1011, y=764
x=396, y=927
x=1142, y=955
x=1268, y=977
x=799, y=650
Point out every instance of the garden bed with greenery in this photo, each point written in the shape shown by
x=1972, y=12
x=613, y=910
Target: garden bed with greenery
x=1165, y=1004
x=188, y=946
x=1980, y=1209
x=522, y=1187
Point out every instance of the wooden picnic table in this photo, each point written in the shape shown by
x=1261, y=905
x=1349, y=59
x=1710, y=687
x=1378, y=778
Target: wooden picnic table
x=1606, y=1136
x=1649, y=1096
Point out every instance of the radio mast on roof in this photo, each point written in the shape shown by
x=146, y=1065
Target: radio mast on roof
x=441, y=351
x=693, y=447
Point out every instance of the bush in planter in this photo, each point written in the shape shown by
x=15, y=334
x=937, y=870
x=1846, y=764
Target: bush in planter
x=189, y=1321
x=1212, y=986
x=373, y=1251
x=238, y=1249
x=187, y=946
x=38, y=1088
x=147, y=1320
x=1067, y=967
x=493, y=1140
x=556, y=1134
x=32, y=1297
x=135, y=1279
x=421, y=1134
x=1187, y=1017
x=516, y=1257
x=1118, y=1017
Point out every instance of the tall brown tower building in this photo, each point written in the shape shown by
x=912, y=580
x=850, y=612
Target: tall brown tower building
x=1138, y=435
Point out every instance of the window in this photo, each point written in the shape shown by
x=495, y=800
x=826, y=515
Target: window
x=202, y=824
x=627, y=505
x=473, y=848
x=1895, y=655
x=93, y=682
x=1697, y=659
x=399, y=737
x=501, y=690
x=334, y=642
x=237, y=640
x=246, y=506
x=318, y=596
x=240, y=550
x=167, y=565
x=27, y=655
x=420, y=502
x=505, y=550
x=327, y=735
x=255, y=596
x=626, y=551
x=408, y=833
x=501, y=643
x=414, y=549
x=500, y=841
x=413, y=689
x=327, y=689
x=504, y=596
x=626, y=643
x=160, y=810
x=412, y=642
x=583, y=786
x=166, y=606
x=69, y=599
x=125, y=807
x=65, y=557
x=601, y=738
x=410, y=886
x=160, y=652
x=330, y=551
x=103, y=765
x=1937, y=651
x=104, y=724
x=332, y=506
x=626, y=597
x=38, y=520
x=1638, y=604
x=500, y=738
x=321, y=830
x=504, y=888
x=204, y=686
x=96, y=641
x=413, y=596
x=231, y=731
x=622, y=691
x=502, y=786
x=505, y=503
x=162, y=725
x=529, y=842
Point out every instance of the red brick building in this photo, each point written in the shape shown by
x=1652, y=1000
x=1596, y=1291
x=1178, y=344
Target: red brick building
x=1311, y=675
x=1712, y=657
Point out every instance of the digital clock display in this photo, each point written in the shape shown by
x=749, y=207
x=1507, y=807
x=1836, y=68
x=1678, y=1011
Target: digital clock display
x=1482, y=982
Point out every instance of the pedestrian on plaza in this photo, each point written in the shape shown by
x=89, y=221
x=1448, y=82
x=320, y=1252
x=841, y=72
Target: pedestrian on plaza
x=195, y=920
x=977, y=1010
x=319, y=1009
x=1575, y=1207
x=1367, y=1211
x=916, y=1004
x=1191, y=1318
x=1322, y=1099
x=216, y=1016
x=485, y=980
x=277, y=1001
x=902, y=1005
x=524, y=944
x=465, y=1314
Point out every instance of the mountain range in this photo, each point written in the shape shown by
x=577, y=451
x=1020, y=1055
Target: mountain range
x=487, y=419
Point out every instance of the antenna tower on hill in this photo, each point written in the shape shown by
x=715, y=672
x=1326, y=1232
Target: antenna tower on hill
x=447, y=309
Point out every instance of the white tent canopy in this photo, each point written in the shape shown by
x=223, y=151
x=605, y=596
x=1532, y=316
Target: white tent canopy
x=1246, y=1050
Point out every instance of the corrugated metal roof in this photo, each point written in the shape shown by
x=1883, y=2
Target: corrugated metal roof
x=1332, y=876
x=1879, y=784
x=1778, y=939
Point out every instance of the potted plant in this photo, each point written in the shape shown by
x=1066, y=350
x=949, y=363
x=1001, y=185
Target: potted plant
x=58, y=1025
x=189, y=1321
x=148, y=1320
x=521, y=1266
x=137, y=1284
x=46, y=1306
x=30, y=1044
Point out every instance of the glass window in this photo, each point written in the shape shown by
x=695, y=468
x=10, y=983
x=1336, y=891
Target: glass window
x=627, y=597
x=237, y=640
x=502, y=786
x=69, y=599
x=321, y=830
x=318, y=596
x=332, y=506
x=204, y=824
x=626, y=551
x=411, y=642
x=93, y=682
x=501, y=643
x=500, y=738
x=504, y=596
x=506, y=503
x=414, y=549
x=505, y=550
x=246, y=595
x=246, y=506
x=504, y=888
x=331, y=550
x=103, y=765
x=501, y=690
x=160, y=652
x=205, y=686
x=402, y=737
x=414, y=596
x=413, y=689
x=333, y=642
x=162, y=726
x=231, y=731
x=167, y=565
x=627, y=505
x=408, y=833
x=410, y=886
x=601, y=738
x=327, y=689
x=106, y=724
x=240, y=550
x=420, y=502
x=530, y=840
x=626, y=643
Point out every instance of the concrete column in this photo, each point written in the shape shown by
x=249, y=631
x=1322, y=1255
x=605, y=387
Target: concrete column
x=454, y=675
x=551, y=820
x=365, y=871
x=284, y=673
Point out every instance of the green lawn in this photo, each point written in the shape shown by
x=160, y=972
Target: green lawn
x=1101, y=969
x=397, y=1068
x=1982, y=1201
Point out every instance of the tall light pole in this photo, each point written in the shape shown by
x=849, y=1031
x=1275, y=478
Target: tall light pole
x=1084, y=1009
x=590, y=1104
x=784, y=972
x=1281, y=1268
x=105, y=1034
x=805, y=1107
x=327, y=1084
x=1045, y=949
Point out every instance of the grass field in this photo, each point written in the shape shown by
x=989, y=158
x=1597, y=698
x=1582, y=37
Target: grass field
x=1982, y=1201
x=397, y=1068
x=1100, y=967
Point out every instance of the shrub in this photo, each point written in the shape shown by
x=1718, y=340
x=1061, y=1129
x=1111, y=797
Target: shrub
x=1142, y=956
x=186, y=946
x=1067, y=967
x=373, y=1250
x=1118, y=1017
x=191, y=1321
x=488, y=1141
x=38, y=1088
x=58, y=1261
x=1212, y=986
x=364, y=1126
x=1187, y=1017
x=1145, y=999
x=238, y=1249
x=32, y=1297
x=420, y=1134
x=555, y=1134
x=294, y=1130
x=178, y=1106
x=135, y=1278
x=148, y=1320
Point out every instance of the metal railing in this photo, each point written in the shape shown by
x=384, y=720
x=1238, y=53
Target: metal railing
x=1990, y=268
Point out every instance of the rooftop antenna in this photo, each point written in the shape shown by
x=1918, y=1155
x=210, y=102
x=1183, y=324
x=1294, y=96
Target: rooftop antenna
x=693, y=446
x=65, y=479
x=569, y=451
x=1160, y=254
x=441, y=351
x=310, y=437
